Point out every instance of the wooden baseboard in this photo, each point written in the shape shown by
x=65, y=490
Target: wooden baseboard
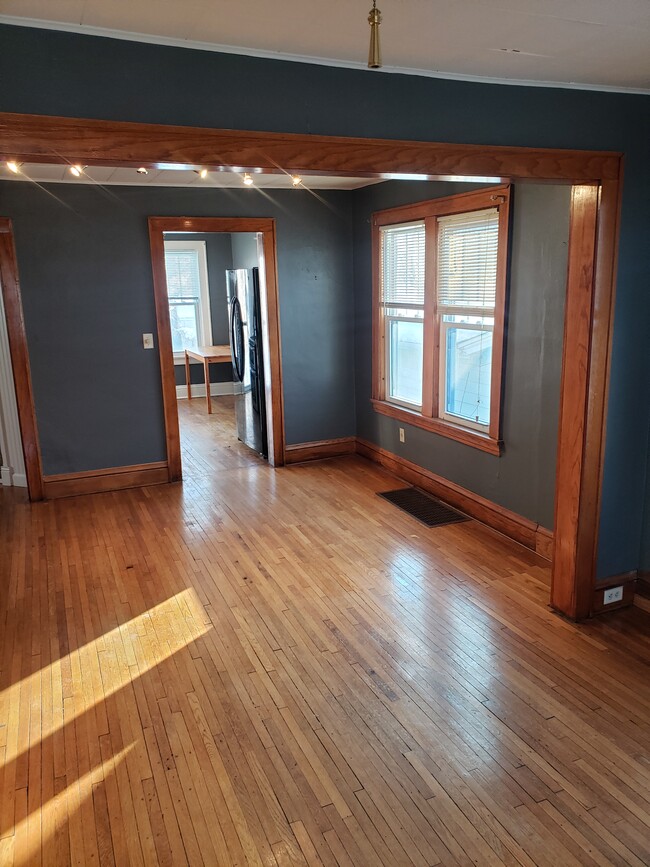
x=515, y=526
x=319, y=449
x=544, y=542
x=627, y=580
x=217, y=389
x=99, y=481
x=642, y=594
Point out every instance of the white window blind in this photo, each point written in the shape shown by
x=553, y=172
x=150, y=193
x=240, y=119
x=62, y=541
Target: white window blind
x=467, y=261
x=182, y=267
x=402, y=265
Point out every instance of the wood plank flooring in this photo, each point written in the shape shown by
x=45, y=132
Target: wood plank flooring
x=274, y=668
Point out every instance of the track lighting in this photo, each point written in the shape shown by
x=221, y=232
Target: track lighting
x=77, y=170
x=296, y=180
x=203, y=174
x=374, y=54
x=142, y=171
x=248, y=180
x=14, y=167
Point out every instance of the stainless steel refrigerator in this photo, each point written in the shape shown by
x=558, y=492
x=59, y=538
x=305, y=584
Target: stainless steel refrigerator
x=245, y=329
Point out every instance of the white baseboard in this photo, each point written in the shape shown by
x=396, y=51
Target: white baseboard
x=18, y=480
x=5, y=476
x=198, y=390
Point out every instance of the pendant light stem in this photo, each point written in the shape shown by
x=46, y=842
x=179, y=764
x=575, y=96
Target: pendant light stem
x=374, y=54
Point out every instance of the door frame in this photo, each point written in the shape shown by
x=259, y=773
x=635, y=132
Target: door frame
x=22, y=379
x=270, y=326
x=591, y=271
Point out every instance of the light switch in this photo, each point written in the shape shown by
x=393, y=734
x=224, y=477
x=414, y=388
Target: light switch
x=147, y=341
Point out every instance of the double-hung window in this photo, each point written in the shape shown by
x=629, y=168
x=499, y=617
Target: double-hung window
x=189, y=296
x=440, y=287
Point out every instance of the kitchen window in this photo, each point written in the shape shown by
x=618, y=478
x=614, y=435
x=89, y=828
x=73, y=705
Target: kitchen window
x=189, y=296
x=439, y=276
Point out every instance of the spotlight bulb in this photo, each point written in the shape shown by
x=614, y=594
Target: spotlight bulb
x=296, y=180
x=203, y=174
x=77, y=171
x=142, y=171
x=13, y=166
x=248, y=180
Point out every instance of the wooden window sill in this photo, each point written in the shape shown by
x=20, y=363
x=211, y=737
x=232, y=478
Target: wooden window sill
x=468, y=437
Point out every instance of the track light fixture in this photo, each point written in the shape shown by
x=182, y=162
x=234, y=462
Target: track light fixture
x=77, y=170
x=248, y=180
x=296, y=180
x=14, y=167
x=142, y=171
x=374, y=54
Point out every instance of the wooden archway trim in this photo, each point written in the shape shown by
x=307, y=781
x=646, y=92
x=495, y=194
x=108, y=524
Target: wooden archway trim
x=270, y=326
x=34, y=138
x=20, y=359
x=590, y=285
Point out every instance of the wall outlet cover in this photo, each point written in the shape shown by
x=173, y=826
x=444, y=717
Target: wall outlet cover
x=612, y=594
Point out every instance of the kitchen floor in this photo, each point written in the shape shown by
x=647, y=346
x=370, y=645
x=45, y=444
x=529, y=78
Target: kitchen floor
x=209, y=442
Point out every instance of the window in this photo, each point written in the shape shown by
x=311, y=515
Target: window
x=189, y=297
x=440, y=277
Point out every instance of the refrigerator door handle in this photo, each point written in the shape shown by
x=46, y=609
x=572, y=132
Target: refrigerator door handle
x=237, y=340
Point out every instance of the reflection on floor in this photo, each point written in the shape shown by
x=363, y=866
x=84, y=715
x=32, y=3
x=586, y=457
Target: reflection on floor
x=264, y=667
x=209, y=442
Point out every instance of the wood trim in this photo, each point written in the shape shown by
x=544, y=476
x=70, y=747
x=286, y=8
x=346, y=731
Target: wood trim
x=571, y=588
x=431, y=325
x=500, y=314
x=544, y=542
x=39, y=138
x=642, y=595
x=270, y=323
x=497, y=517
x=10, y=287
x=464, y=435
x=165, y=353
x=580, y=455
x=459, y=203
x=319, y=449
x=429, y=416
x=270, y=303
x=100, y=481
x=597, y=386
x=628, y=581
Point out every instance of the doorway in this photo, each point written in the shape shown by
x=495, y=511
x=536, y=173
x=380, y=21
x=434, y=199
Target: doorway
x=233, y=333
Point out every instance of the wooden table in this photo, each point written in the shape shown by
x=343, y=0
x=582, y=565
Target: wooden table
x=208, y=355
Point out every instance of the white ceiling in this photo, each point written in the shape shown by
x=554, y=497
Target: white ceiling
x=110, y=175
x=589, y=43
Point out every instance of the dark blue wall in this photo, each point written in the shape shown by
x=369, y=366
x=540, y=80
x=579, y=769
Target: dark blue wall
x=523, y=477
x=46, y=72
x=85, y=269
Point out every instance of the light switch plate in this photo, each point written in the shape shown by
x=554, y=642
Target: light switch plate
x=147, y=341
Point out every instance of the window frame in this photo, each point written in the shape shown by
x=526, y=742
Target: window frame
x=431, y=416
x=204, y=314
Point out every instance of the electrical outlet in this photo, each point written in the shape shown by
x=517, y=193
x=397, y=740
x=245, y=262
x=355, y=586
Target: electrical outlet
x=147, y=341
x=612, y=594
x=401, y=434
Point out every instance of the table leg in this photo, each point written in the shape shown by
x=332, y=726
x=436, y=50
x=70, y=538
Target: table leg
x=187, y=376
x=207, y=384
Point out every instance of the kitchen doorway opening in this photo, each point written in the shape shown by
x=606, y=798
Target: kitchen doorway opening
x=215, y=288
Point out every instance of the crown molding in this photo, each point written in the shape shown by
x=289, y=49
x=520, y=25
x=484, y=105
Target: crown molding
x=172, y=42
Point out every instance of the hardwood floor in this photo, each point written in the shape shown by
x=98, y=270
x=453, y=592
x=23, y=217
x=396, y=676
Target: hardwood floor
x=278, y=667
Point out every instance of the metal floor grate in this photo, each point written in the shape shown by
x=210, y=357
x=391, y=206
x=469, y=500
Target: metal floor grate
x=425, y=508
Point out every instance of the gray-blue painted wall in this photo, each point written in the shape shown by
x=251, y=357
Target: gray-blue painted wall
x=45, y=72
x=523, y=477
x=87, y=290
